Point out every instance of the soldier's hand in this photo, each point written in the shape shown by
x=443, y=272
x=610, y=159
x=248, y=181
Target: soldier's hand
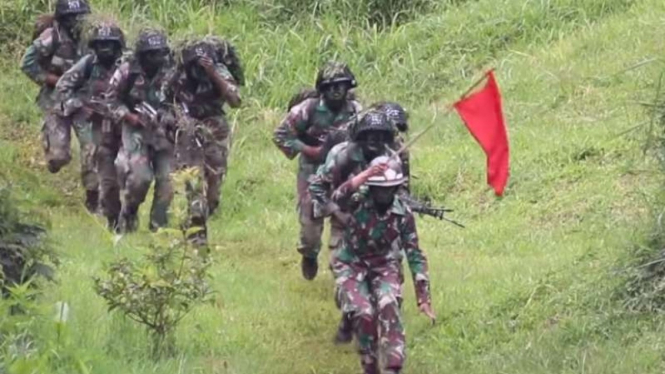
x=342, y=217
x=207, y=64
x=51, y=79
x=134, y=119
x=312, y=152
x=426, y=309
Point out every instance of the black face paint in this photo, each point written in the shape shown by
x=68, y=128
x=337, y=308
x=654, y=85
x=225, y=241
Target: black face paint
x=336, y=92
x=153, y=59
x=72, y=23
x=383, y=196
x=374, y=143
x=107, y=51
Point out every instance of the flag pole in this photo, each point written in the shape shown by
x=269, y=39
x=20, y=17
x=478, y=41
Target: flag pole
x=449, y=108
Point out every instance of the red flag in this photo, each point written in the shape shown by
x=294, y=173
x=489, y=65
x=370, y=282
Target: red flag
x=483, y=116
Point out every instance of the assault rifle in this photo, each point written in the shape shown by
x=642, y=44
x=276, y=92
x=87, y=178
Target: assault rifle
x=425, y=208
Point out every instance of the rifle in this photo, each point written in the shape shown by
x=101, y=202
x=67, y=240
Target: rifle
x=425, y=208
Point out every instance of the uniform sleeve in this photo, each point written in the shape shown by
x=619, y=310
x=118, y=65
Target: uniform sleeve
x=69, y=83
x=321, y=184
x=226, y=75
x=416, y=259
x=285, y=136
x=41, y=49
x=117, y=92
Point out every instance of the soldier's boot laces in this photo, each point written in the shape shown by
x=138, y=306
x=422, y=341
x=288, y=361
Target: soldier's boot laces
x=344, y=333
x=309, y=267
x=92, y=201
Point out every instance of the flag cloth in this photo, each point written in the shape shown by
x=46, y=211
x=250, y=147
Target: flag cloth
x=483, y=116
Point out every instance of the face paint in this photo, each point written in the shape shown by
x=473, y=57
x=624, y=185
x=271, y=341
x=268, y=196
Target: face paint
x=107, y=51
x=153, y=59
x=336, y=92
x=374, y=143
x=383, y=196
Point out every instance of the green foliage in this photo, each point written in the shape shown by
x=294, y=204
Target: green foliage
x=159, y=291
x=24, y=252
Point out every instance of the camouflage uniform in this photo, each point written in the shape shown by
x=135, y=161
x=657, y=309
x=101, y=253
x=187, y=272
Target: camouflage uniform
x=203, y=134
x=54, y=52
x=369, y=277
x=147, y=152
x=81, y=90
x=307, y=124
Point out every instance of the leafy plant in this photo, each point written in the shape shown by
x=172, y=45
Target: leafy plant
x=159, y=290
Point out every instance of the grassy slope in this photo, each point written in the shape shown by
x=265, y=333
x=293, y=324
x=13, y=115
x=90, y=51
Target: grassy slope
x=526, y=288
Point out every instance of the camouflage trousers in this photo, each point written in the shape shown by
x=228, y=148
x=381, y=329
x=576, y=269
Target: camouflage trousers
x=141, y=160
x=109, y=188
x=56, y=138
x=203, y=145
x=370, y=293
x=311, y=228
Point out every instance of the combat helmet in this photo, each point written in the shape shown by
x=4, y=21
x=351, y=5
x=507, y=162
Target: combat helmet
x=396, y=114
x=372, y=120
x=151, y=40
x=106, y=31
x=67, y=7
x=393, y=176
x=334, y=72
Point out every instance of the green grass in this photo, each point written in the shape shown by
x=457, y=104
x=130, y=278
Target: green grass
x=529, y=287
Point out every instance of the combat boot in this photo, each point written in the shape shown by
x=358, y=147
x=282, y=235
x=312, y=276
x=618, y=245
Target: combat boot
x=309, y=267
x=128, y=222
x=344, y=333
x=92, y=201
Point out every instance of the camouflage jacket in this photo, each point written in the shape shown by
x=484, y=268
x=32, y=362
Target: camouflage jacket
x=373, y=239
x=130, y=85
x=203, y=100
x=307, y=124
x=85, y=82
x=54, y=51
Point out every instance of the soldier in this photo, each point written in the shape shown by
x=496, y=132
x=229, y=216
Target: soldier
x=198, y=89
x=54, y=51
x=134, y=96
x=368, y=266
x=81, y=91
x=302, y=132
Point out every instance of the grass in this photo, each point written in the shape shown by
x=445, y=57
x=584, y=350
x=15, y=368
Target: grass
x=531, y=286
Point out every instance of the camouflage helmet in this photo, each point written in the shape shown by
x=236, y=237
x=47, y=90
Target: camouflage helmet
x=393, y=176
x=151, y=40
x=334, y=72
x=192, y=52
x=396, y=114
x=372, y=120
x=67, y=7
x=106, y=32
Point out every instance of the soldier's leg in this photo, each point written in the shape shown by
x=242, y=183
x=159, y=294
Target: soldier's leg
x=216, y=149
x=137, y=174
x=84, y=130
x=197, y=209
x=56, y=137
x=109, y=190
x=311, y=230
x=162, y=163
x=387, y=294
x=353, y=294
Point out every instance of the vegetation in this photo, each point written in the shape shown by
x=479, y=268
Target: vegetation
x=541, y=281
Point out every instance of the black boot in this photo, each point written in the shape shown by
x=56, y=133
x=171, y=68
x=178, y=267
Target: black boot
x=92, y=201
x=112, y=225
x=344, y=333
x=128, y=222
x=309, y=267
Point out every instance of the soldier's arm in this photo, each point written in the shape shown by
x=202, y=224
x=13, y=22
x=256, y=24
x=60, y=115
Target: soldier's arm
x=70, y=82
x=41, y=49
x=226, y=84
x=285, y=136
x=416, y=259
x=116, y=94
